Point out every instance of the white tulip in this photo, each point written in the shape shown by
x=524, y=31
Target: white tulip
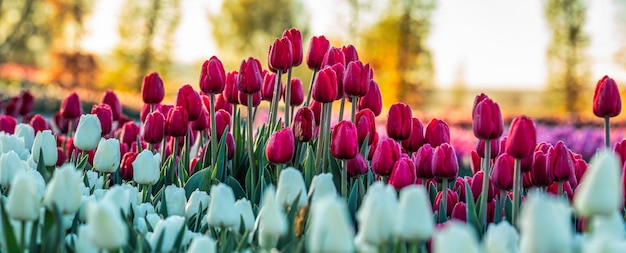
x=153, y=219
x=176, y=200
x=198, y=199
x=123, y=196
x=271, y=223
x=609, y=226
x=167, y=229
x=83, y=243
x=202, y=244
x=38, y=181
x=322, y=185
x=545, y=225
x=222, y=211
x=106, y=227
x=330, y=229
x=27, y=133
x=24, y=201
x=501, y=237
x=245, y=210
x=13, y=143
x=376, y=216
x=146, y=167
x=99, y=193
x=107, y=157
x=455, y=237
x=95, y=181
x=600, y=189
x=415, y=217
x=64, y=189
x=10, y=165
x=290, y=186
x=46, y=143
x=88, y=132
x=143, y=209
x=601, y=244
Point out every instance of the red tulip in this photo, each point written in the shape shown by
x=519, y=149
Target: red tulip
x=365, y=125
x=70, y=107
x=423, y=160
x=495, y=148
x=154, y=128
x=350, y=53
x=402, y=174
x=61, y=123
x=580, y=166
x=318, y=46
x=487, y=120
x=325, y=86
x=202, y=122
x=304, y=125
x=222, y=122
x=152, y=90
x=295, y=37
x=399, y=122
x=105, y=115
x=344, y=143
x=231, y=91
x=386, y=153
x=316, y=107
x=297, y=93
x=126, y=165
x=222, y=104
x=453, y=198
x=357, y=79
x=177, y=122
x=39, y=123
x=527, y=181
x=437, y=133
x=189, y=99
x=13, y=106
x=269, y=83
x=280, y=55
x=110, y=98
x=373, y=147
x=256, y=99
x=280, y=147
x=606, y=98
x=333, y=56
x=475, y=162
x=560, y=162
x=477, y=186
x=28, y=101
x=567, y=189
x=445, y=163
x=130, y=131
x=357, y=166
x=459, y=187
x=541, y=174
x=459, y=212
x=339, y=69
x=522, y=137
x=372, y=100
x=503, y=169
x=230, y=145
x=165, y=109
x=249, y=80
x=212, y=76
x=7, y=124
x=620, y=150
x=60, y=157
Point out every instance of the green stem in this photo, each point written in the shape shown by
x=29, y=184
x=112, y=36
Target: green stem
x=516, y=191
x=320, y=141
x=559, y=189
x=485, y=190
x=295, y=162
x=344, y=180
x=329, y=110
x=354, y=104
x=288, y=99
x=105, y=178
x=607, y=133
x=23, y=235
x=342, y=105
x=250, y=141
x=308, y=98
x=174, y=155
x=214, y=137
x=275, y=99
x=444, y=196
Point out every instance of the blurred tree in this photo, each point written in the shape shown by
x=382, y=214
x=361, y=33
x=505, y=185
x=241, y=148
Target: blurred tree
x=146, y=29
x=567, y=66
x=245, y=28
x=403, y=64
x=24, y=31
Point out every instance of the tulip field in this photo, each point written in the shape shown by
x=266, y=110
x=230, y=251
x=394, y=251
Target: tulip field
x=324, y=173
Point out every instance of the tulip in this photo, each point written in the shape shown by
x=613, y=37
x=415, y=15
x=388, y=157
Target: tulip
x=129, y=134
x=545, y=225
x=153, y=129
x=13, y=106
x=126, y=166
x=316, y=107
x=455, y=237
x=399, y=122
x=560, y=162
x=318, y=46
x=339, y=69
x=541, y=174
x=39, y=123
x=45, y=141
x=110, y=99
x=256, y=99
x=146, y=167
x=366, y=125
x=350, y=53
x=620, y=150
x=249, y=79
x=459, y=212
x=10, y=165
x=289, y=188
x=222, y=104
x=600, y=192
x=444, y=162
x=107, y=158
x=297, y=93
x=176, y=123
x=333, y=56
x=202, y=244
x=344, y=142
x=502, y=176
x=202, y=122
x=27, y=104
x=27, y=133
x=222, y=210
x=279, y=148
x=325, y=86
x=357, y=79
x=280, y=55
x=212, y=76
x=501, y=237
x=522, y=138
x=63, y=190
x=271, y=223
x=199, y=200
x=24, y=201
x=376, y=225
x=386, y=154
x=402, y=174
x=494, y=145
x=331, y=229
x=437, y=133
x=451, y=198
x=103, y=218
x=7, y=124
x=168, y=230
x=87, y=133
x=423, y=161
x=357, y=166
x=487, y=120
x=415, y=218
x=105, y=115
x=372, y=99
x=70, y=106
x=245, y=211
x=322, y=186
x=295, y=39
x=303, y=125
x=231, y=92
x=459, y=186
x=189, y=99
x=152, y=91
x=416, y=140
x=176, y=200
x=606, y=98
x=269, y=83
x=476, y=186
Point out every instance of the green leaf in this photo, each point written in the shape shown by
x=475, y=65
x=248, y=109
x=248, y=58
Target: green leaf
x=9, y=234
x=52, y=230
x=41, y=167
x=200, y=180
x=220, y=171
x=497, y=217
x=432, y=192
x=508, y=209
x=309, y=167
x=365, y=148
x=163, y=207
x=237, y=189
x=179, y=238
x=442, y=216
x=33, y=236
x=353, y=200
x=471, y=210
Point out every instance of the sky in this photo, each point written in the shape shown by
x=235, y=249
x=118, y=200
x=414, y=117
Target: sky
x=496, y=43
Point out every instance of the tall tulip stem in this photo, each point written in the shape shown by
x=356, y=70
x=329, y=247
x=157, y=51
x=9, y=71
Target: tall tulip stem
x=341, y=106
x=308, y=98
x=607, y=133
x=214, y=137
x=250, y=141
x=485, y=190
x=275, y=99
x=344, y=180
x=517, y=176
x=288, y=98
x=174, y=161
x=320, y=140
x=328, y=114
x=444, y=196
x=559, y=189
x=354, y=104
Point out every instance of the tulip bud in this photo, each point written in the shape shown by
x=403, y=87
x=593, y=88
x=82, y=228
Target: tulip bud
x=318, y=46
x=379, y=202
x=445, y=163
x=107, y=157
x=606, y=98
x=322, y=186
x=541, y=174
x=295, y=37
x=152, y=90
x=399, y=122
x=477, y=186
x=176, y=200
x=423, y=161
x=522, y=137
x=331, y=229
x=297, y=93
x=333, y=56
x=365, y=125
x=357, y=79
x=560, y=162
x=357, y=166
x=88, y=132
x=386, y=154
x=177, y=122
x=153, y=129
x=280, y=55
x=372, y=99
x=453, y=198
x=222, y=211
x=503, y=169
x=437, y=133
x=415, y=218
x=189, y=99
x=459, y=212
x=316, y=107
x=7, y=124
x=600, y=192
x=202, y=122
x=291, y=187
x=105, y=115
x=402, y=174
x=146, y=167
x=27, y=103
x=245, y=211
x=325, y=86
x=269, y=83
x=303, y=125
x=212, y=76
x=110, y=98
x=27, y=133
x=494, y=145
x=231, y=92
x=545, y=225
x=271, y=223
x=202, y=244
x=501, y=237
x=487, y=120
x=129, y=133
x=339, y=69
x=249, y=80
x=222, y=104
x=45, y=141
x=103, y=218
x=344, y=144
x=280, y=147
x=126, y=166
x=620, y=150
x=24, y=200
x=256, y=99
x=350, y=53
x=70, y=106
x=416, y=140
x=63, y=190
x=39, y=123
x=197, y=200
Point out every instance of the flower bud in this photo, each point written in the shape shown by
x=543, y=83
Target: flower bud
x=291, y=186
x=453, y=198
x=88, y=132
x=202, y=244
x=45, y=142
x=297, y=93
x=399, y=122
x=344, y=144
x=322, y=186
x=350, y=53
x=541, y=175
x=445, y=163
x=339, y=69
x=103, y=218
x=356, y=79
x=487, y=120
x=477, y=186
x=249, y=80
x=110, y=98
x=333, y=56
x=416, y=140
x=386, y=154
x=7, y=124
x=365, y=125
x=63, y=190
x=522, y=137
x=372, y=100
x=269, y=83
x=303, y=125
x=357, y=166
x=39, y=123
x=415, y=218
x=222, y=104
x=459, y=212
x=330, y=229
x=280, y=147
x=280, y=55
x=437, y=133
x=318, y=46
x=197, y=200
x=455, y=237
x=222, y=211
x=560, y=162
x=295, y=37
x=177, y=122
x=152, y=90
x=494, y=145
x=501, y=237
x=154, y=128
x=70, y=106
x=28, y=101
x=379, y=202
x=245, y=211
x=202, y=122
x=27, y=133
x=126, y=166
x=600, y=192
x=606, y=98
x=271, y=223
x=256, y=99
x=24, y=201
x=107, y=157
x=176, y=200
x=146, y=167
x=105, y=115
x=423, y=161
x=402, y=174
x=189, y=99
x=316, y=107
x=231, y=92
x=503, y=169
x=212, y=76
x=325, y=86
x=545, y=225
x=129, y=133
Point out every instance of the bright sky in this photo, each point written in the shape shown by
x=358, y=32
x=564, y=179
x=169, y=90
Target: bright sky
x=498, y=43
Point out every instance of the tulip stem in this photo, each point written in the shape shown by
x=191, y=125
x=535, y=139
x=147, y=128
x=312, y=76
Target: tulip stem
x=23, y=236
x=320, y=141
x=329, y=110
x=344, y=180
x=516, y=190
x=250, y=141
x=174, y=160
x=287, y=98
x=444, y=196
x=354, y=104
x=342, y=105
x=308, y=98
x=214, y=137
x=296, y=157
x=559, y=189
x=275, y=99
x=485, y=190
x=607, y=133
